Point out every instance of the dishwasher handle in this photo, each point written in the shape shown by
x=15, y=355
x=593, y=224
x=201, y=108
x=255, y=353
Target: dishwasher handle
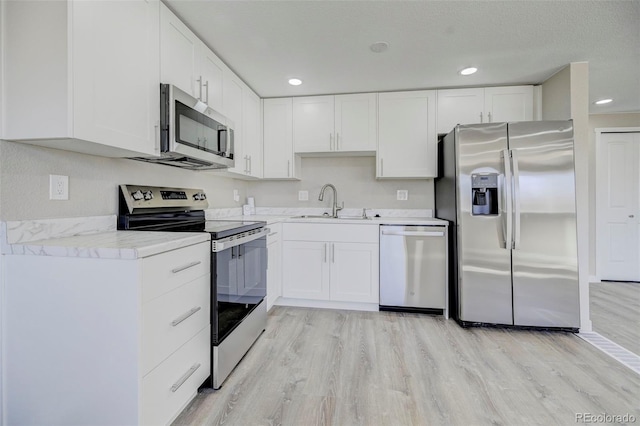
x=414, y=233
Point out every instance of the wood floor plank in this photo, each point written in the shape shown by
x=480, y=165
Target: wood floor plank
x=329, y=367
x=615, y=312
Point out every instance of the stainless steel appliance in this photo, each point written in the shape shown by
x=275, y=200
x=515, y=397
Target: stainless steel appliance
x=508, y=189
x=192, y=135
x=413, y=268
x=238, y=264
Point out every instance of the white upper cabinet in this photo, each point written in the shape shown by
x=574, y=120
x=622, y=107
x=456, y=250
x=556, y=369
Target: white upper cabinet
x=186, y=62
x=513, y=103
x=407, y=139
x=340, y=123
x=252, y=134
x=356, y=122
x=232, y=105
x=313, y=119
x=484, y=105
x=277, y=126
x=73, y=82
x=459, y=106
x=211, y=78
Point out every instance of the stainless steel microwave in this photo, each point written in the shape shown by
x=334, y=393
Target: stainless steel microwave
x=192, y=135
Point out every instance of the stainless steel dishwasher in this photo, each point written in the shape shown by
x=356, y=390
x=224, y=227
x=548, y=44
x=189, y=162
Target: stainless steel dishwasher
x=413, y=268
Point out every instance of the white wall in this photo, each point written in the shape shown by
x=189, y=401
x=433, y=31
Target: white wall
x=353, y=177
x=93, y=182
x=556, y=96
x=567, y=97
x=597, y=121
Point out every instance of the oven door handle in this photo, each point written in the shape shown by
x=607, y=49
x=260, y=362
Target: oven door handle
x=229, y=242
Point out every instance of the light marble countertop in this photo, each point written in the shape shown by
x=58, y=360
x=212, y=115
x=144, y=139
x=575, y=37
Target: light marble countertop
x=110, y=245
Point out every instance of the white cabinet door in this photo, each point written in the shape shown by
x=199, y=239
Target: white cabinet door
x=101, y=78
x=305, y=270
x=115, y=73
x=514, y=103
x=211, y=75
x=406, y=135
x=459, y=106
x=354, y=272
x=252, y=136
x=274, y=264
x=179, y=57
x=356, y=122
x=232, y=106
x=313, y=123
x=82, y=86
x=278, y=139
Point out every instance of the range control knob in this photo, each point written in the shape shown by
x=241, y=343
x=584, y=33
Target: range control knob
x=199, y=196
x=137, y=196
x=148, y=195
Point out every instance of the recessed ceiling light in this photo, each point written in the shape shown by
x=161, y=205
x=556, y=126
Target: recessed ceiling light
x=468, y=71
x=379, y=47
x=603, y=101
x=295, y=81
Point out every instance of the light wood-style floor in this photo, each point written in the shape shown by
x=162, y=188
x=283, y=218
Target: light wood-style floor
x=615, y=312
x=328, y=367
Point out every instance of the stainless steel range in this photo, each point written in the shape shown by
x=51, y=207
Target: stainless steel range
x=238, y=264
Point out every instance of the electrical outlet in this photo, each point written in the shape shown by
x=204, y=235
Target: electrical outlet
x=303, y=195
x=236, y=195
x=58, y=187
x=402, y=195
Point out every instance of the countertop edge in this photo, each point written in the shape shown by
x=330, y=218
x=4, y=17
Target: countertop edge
x=133, y=245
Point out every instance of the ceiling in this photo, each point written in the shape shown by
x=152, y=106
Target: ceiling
x=326, y=44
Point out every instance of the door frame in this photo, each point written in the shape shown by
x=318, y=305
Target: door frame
x=601, y=171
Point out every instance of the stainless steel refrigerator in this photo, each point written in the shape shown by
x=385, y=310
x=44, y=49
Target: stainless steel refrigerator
x=508, y=190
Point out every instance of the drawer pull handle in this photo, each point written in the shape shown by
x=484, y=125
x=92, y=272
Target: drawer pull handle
x=185, y=377
x=185, y=316
x=273, y=233
x=182, y=268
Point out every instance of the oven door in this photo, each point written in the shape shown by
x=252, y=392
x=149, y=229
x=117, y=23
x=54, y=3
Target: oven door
x=239, y=284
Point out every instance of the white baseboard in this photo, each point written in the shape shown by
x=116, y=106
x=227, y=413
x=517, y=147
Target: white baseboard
x=327, y=304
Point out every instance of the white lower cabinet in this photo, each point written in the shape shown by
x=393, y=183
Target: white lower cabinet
x=330, y=262
x=274, y=264
x=105, y=341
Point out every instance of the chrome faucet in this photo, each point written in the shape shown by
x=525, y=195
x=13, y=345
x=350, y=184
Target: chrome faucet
x=335, y=208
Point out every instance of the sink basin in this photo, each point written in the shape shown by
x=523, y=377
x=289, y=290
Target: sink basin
x=310, y=216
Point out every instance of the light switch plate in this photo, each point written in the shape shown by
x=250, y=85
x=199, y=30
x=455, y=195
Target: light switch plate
x=402, y=195
x=236, y=195
x=58, y=187
x=303, y=195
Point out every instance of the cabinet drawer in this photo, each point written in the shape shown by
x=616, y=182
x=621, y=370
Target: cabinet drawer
x=276, y=233
x=169, y=387
x=170, y=320
x=360, y=233
x=164, y=272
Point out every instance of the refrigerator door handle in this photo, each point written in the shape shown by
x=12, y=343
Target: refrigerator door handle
x=516, y=199
x=507, y=217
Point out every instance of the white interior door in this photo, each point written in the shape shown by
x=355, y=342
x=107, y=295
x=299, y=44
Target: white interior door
x=618, y=206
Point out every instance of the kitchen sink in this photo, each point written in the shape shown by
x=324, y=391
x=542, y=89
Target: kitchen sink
x=326, y=216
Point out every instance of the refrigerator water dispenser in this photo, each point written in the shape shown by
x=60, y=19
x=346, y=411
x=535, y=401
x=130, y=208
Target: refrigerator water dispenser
x=484, y=194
